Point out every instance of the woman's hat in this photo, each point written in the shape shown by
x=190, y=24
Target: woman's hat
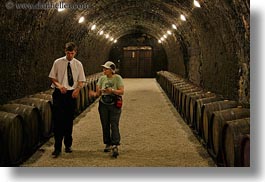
x=109, y=65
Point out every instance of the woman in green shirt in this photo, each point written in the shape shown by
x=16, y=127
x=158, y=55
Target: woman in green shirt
x=108, y=87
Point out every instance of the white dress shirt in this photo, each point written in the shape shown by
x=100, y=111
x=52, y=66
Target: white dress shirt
x=59, y=72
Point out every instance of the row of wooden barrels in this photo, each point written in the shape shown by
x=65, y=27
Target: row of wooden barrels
x=221, y=125
x=26, y=123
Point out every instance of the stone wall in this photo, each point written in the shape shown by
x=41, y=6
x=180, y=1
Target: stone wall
x=213, y=49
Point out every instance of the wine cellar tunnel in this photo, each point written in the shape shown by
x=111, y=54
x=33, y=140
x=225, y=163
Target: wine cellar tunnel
x=206, y=43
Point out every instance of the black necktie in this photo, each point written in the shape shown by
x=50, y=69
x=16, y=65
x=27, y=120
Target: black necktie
x=69, y=75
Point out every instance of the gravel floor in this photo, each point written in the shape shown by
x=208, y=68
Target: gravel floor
x=152, y=134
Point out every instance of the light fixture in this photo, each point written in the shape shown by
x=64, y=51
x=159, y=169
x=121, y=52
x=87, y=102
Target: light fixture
x=165, y=36
x=162, y=39
x=81, y=19
x=115, y=40
x=169, y=32
x=159, y=41
x=174, y=26
x=93, y=27
x=182, y=17
x=107, y=36
x=101, y=32
x=196, y=4
x=111, y=38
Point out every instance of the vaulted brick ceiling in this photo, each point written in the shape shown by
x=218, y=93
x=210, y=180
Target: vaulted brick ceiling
x=121, y=17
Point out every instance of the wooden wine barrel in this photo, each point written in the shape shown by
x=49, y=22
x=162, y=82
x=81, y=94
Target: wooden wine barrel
x=192, y=110
x=179, y=91
x=207, y=111
x=94, y=81
x=82, y=99
x=30, y=124
x=160, y=78
x=90, y=86
x=45, y=109
x=171, y=78
x=86, y=98
x=218, y=120
x=44, y=96
x=197, y=114
x=176, y=86
x=245, y=150
x=233, y=132
x=173, y=88
x=11, y=139
x=187, y=105
x=49, y=92
x=175, y=80
x=182, y=98
x=170, y=81
x=163, y=80
x=91, y=81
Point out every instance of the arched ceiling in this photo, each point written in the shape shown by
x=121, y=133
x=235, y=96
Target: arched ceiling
x=120, y=17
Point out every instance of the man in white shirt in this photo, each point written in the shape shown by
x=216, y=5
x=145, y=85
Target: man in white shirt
x=67, y=76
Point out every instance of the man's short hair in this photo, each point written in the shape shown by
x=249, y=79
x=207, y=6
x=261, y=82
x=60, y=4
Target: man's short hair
x=70, y=46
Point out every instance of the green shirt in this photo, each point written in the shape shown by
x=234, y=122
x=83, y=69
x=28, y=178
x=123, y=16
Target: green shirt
x=115, y=82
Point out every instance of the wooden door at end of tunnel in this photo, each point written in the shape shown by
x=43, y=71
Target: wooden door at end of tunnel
x=137, y=62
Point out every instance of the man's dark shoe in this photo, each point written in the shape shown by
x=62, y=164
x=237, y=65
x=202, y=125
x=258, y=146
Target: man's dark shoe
x=107, y=148
x=56, y=153
x=68, y=150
